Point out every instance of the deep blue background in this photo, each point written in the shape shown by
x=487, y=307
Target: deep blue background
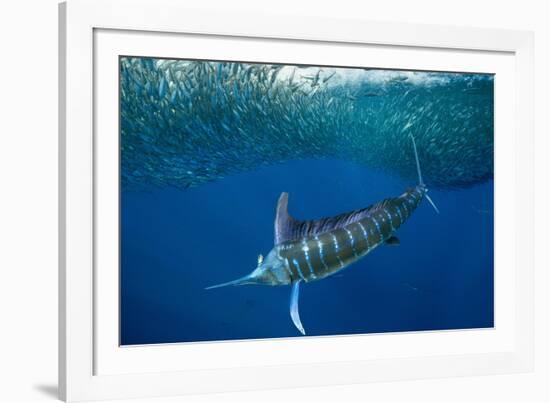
x=174, y=243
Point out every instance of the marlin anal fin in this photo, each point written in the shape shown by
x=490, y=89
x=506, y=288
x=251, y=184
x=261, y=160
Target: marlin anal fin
x=294, y=312
x=393, y=241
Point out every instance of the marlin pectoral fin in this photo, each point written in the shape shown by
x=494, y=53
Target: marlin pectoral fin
x=294, y=313
x=393, y=241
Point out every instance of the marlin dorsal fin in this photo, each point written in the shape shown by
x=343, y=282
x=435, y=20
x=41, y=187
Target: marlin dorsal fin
x=288, y=228
x=285, y=225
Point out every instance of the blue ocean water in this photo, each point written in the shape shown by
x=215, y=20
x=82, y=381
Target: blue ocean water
x=176, y=242
x=207, y=147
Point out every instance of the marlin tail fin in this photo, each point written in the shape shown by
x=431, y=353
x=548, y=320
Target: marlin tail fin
x=432, y=203
x=420, y=180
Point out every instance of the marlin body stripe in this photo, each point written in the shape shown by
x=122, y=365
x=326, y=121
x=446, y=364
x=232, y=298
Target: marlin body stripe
x=314, y=257
x=311, y=250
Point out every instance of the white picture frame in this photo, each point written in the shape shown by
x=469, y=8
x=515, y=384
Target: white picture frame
x=86, y=334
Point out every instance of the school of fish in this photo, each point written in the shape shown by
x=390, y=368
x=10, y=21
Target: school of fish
x=184, y=123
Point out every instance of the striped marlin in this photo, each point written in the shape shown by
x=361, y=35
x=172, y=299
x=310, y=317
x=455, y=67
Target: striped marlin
x=311, y=250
